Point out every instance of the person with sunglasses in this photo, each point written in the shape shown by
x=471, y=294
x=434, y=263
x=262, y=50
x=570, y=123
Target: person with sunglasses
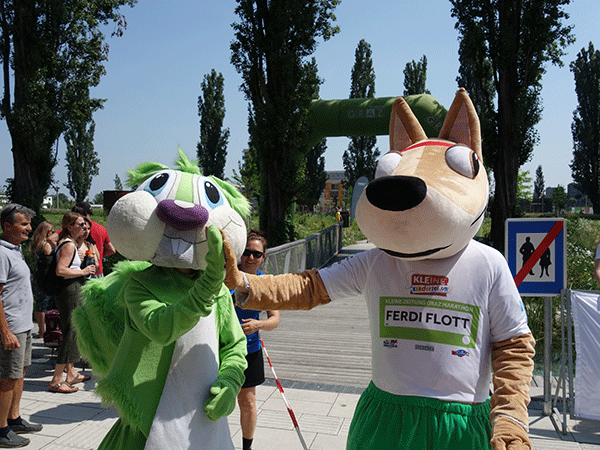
x=252, y=258
x=68, y=266
x=16, y=313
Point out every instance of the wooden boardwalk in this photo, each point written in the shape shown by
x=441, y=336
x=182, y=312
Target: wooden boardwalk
x=328, y=345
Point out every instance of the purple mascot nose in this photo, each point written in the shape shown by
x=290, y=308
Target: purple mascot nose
x=182, y=216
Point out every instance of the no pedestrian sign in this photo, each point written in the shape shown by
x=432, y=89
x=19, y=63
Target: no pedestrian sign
x=535, y=250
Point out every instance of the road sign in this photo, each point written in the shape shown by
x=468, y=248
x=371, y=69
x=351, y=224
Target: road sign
x=535, y=250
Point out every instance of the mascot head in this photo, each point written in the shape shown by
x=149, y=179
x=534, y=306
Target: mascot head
x=164, y=221
x=429, y=196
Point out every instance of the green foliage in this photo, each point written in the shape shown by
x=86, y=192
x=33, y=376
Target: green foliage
x=98, y=199
x=538, y=185
x=272, y=43
x=53, y=53
x=315, y=176
x=585, y=167
x=415, y=77
x=361, y=157
x=82, y=159
x=504, y=47
x=118, y=183
x=212, y=148
x=559, y=198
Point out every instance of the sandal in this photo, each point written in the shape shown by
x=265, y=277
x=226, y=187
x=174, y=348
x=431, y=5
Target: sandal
x=80, y=379
x=63, y=388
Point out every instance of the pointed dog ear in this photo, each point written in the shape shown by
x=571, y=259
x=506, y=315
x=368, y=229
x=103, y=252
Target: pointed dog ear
x=405, y=128
x=462, y=124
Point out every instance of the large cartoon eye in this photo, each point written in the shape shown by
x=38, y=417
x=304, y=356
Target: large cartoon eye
x=160, y=184
x=211, y=196
x=387, y=163
x=463, y=160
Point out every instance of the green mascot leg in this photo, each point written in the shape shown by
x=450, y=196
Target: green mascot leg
x=123, y=437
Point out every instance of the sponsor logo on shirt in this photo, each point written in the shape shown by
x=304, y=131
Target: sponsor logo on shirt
x=390, y=343
x=460, y=353
x=427, y=348
x=429, y=285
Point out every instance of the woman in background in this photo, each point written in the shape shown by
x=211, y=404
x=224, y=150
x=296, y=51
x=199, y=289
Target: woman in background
x=68, y=266
x=41, y=246
x=252, y=258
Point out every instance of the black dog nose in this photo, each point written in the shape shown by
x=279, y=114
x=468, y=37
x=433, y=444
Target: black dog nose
x=396, y=193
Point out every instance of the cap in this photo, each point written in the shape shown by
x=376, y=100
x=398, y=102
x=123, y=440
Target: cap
x=85, y=206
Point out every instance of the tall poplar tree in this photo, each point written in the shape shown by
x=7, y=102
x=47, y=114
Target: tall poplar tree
x=273, y=41
x=212, y=148
x=48, y=50
x=82, y=160
x=539, y=184
x=361, y=157
x=315, y=176
x=415, y=77
x=504, y=47
x=585, y=167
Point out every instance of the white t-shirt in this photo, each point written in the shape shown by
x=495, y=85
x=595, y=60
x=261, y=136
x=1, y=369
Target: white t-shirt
x=433, y=321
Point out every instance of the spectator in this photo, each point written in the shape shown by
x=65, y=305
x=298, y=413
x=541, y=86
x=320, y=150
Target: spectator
x=68, y=266
x=98, y=234
x=41, y=246
x=16, y=312
x=597, y=266
x=252, y=258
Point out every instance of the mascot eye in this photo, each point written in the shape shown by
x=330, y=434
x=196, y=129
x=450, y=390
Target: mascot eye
x=387, y=163
x=213, y=197
x=463, y=160
x=159, y=185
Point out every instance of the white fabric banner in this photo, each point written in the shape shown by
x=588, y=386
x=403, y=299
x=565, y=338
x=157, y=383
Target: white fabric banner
x=586, y=317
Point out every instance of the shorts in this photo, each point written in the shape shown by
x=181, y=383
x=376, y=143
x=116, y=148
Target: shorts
x=384, y=421
x=255, y=373
x=12, y=362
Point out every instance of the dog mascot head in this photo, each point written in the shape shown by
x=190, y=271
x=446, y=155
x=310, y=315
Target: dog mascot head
x=429, y=196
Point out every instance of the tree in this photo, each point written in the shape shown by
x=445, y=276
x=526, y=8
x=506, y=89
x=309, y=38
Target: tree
x=415, y=76
x=248, y=177
x=315, y=177
x=98, y=198
x=361, y=158
x=272, y=43
x=118, y=183
x=538, y=184
x=212, y=148
x=504, y=46
x=585, y=167
x=82, y=160
x=559, y=198
x=49, y=51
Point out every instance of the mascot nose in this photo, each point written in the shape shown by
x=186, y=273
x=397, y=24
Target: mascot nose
x=396, y=192
x=182, y=216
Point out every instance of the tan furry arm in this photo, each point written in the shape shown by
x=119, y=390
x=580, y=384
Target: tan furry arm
x=288, y=291
x=512, y=363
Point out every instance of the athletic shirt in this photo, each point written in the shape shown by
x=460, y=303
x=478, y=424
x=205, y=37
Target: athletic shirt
x=253, y=339
x=433, y=321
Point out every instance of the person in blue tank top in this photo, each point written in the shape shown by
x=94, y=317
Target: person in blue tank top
x=252, y=258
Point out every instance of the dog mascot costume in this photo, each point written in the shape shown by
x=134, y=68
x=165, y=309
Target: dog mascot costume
x=160, y=330
x=443, y=308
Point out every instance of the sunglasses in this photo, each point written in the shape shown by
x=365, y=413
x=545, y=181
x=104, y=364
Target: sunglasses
x=254, y=253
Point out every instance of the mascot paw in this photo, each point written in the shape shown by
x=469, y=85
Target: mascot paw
x=233, y=278
x=221, y=401
x=507, y=434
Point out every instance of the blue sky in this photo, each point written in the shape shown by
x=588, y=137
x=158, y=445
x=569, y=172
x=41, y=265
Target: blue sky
x=155, y=70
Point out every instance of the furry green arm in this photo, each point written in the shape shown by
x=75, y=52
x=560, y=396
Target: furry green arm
x=163, y=319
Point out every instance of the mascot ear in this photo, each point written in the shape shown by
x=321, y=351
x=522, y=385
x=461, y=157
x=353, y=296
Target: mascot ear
x=405, y=128
x=462, y=124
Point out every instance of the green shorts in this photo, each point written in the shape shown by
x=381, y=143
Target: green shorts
x=383, y=421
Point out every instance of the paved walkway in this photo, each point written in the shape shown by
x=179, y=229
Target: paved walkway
x=324, y=411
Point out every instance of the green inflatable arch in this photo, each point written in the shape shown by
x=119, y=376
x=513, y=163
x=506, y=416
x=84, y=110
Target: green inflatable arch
x=369, y=116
